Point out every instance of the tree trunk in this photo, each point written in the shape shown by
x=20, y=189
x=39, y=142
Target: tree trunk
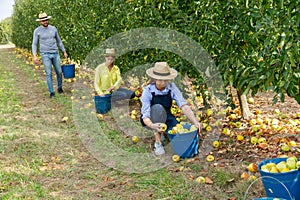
x=246, y=114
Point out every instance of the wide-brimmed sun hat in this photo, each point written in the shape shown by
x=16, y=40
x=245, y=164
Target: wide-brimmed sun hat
x=110, y=52
x=43, y=16
x=161, y=71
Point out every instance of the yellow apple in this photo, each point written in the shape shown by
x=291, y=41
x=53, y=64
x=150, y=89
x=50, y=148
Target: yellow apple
x=259, y=121
x=193, y=128
x=210, y=158
x=262, y=140
x=226, y=131
x=240, y=137
x=65, y=119
x=276, y=111
x=133, y=116
x=254, y=140
x=264, y=168
x=216, y=144
x=100, y=116
x=174, y=130
x=208, y=128
x=285, y=148
x=274, y=170
x=250, y=100
x=252, y=122
x=209, y=112
x=238, y=124
x=176, y=158
x=135, y=139
x=257, y=111
x=252, y=167
x=232, y=117
x=252, y=178
x=137, y=93
x=163, y=127
x=200, y=179
x=134, y=112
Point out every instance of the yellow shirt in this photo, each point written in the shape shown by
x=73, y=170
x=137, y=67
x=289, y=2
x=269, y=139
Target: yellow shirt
x=105, y=79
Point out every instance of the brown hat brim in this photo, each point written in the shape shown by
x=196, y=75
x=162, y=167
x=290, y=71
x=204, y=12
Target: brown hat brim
x=150, y=72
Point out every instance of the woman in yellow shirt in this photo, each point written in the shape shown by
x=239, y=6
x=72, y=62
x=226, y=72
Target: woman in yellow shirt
x=107, y=76
x=107, y=82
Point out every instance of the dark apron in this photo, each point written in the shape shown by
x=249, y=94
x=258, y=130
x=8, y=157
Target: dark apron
x=166, y=101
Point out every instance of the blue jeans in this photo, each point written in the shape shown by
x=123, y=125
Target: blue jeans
x=50, y=59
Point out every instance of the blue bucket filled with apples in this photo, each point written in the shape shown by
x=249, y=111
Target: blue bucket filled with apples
x=184, y=141
x=285, y=177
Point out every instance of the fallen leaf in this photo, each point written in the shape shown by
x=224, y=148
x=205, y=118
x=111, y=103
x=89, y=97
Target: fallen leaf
x=208, y=180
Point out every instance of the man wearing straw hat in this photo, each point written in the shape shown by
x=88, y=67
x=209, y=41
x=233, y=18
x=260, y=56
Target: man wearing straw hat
x=157, y=98
x=48, y=38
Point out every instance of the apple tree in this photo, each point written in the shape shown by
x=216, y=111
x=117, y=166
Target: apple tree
x=254, y=44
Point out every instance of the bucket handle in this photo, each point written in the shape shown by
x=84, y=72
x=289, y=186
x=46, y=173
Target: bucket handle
x=245, y=196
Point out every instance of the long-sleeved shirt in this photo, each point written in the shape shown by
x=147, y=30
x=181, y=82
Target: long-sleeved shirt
x=105, y=78
x=48, y=39
x=147, y=97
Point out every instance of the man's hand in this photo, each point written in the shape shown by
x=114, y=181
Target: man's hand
x=36, y=60
x=66, y=54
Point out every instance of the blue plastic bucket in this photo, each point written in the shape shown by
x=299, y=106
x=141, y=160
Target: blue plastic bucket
x=185, y=145
x=68, y=70
x=102, y=104
x=291, y=180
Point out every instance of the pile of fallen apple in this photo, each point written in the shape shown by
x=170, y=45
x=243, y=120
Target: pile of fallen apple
x=290, y=164
x=182, y=128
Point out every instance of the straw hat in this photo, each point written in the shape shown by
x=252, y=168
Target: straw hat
x=43, y=16
x=161, y=71
x=110, y=52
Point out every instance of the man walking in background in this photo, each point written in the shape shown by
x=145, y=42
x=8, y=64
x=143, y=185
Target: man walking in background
x=48, y=38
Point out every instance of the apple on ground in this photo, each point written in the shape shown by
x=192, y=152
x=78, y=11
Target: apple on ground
x=238, y=124
x=240, y=137
x=285, y=148
x=216, y=144
x=135, y=139
x=252, y=167
x=257, y=111
x=276, y=111
x=254, y=140
x=262, y=140
x=200, y=179
x=251, y=100
x=210, y=158
x=176, y=158
x=226, y=131
x=252, y=178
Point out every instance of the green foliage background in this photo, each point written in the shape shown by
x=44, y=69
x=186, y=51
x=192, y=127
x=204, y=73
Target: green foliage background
x=5, y=31
x=255, y=44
